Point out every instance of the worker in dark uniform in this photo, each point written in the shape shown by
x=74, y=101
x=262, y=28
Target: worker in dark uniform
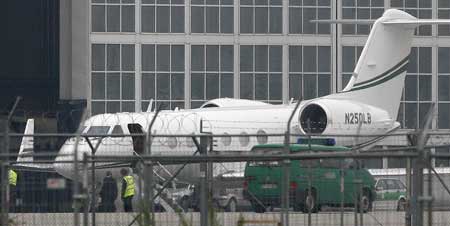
x=128, y=187
x=108, y=194
x=12, y=178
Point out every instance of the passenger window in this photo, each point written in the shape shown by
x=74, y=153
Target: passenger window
x=117, y=130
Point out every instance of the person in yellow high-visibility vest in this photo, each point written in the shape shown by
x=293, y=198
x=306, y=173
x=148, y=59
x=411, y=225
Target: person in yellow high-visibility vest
x=12, y=178
x=128, y=190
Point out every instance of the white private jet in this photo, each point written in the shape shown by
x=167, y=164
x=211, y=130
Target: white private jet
x=369, y=104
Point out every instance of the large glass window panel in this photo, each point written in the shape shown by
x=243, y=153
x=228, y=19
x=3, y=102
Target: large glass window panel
x=275, y=87
x=162, y=19
x=148, y=86
x=261, y=58
x=309, y=86
x=444, y=116
x=148, y=18
x=411, y=115
x=246, y=20
x=226, y=19
x=212, y=19
x=162, y=57
x=197, y=58
x=113, y=57
x=226, y=85
x=295, y=58
x=98, y=57
x=177, y=19
x=212, y=86
x=127, y=86
x=226, y=58
x=425, y=87
x=177, y=85
x=148, y=57
x=246, y=86
x=197, y=19
x=246, y=58
x=112, y=107
x=443, y=60
x=324, y=85
x=98, y=86
x=127, y=57
x=128, y=18
x=308, y=15
x=113, y=86
x=310, y=58
x=97, y=107
x=177, y=58
x=443, y=88
x=275, y=58
x=295, y=86
x=163, y=86
x=324, y=59
x=261, y=20
x=411, y=88
x=295, y=20
x=425, y=60
x=212, y=58
x=113, y=18
x=98, y=18
x=197, y=86
x=261, y=88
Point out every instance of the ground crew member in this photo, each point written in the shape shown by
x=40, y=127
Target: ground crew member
x=108, y=194
x=12, y=178
x=128, y=187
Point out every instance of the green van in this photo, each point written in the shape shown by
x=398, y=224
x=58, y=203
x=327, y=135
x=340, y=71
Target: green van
x=262, y=185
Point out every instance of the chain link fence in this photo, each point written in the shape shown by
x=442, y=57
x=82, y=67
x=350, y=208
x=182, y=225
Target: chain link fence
x=226, y=179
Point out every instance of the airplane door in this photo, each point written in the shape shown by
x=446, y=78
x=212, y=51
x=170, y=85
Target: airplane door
x=138, y=141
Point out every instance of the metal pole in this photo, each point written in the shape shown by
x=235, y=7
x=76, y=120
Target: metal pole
x=342, y=187
x=85, y=191
x=4, y=166
x=4, y=181
x=94, y=190
x=204, y=220
x=430, y=190
x=408, y=192
x=76, y=181
x=285, y=194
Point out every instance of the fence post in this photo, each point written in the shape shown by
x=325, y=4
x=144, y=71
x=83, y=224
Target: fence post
x=204, y=196
x=4, y=175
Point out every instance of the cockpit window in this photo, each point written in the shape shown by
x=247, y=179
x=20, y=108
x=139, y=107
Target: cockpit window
x=117, y=130
x=98, y=130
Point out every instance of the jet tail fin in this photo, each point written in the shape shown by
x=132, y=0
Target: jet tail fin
x=378, y=78
x=26, y=147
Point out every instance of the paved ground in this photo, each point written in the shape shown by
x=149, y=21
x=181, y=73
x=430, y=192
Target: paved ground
x=377, y=218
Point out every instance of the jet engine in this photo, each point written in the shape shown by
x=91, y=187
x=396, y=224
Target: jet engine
x=347, y=117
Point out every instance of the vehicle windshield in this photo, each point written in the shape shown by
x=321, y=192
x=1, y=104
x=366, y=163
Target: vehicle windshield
x=98, y=130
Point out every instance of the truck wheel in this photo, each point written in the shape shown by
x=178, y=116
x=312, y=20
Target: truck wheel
x=310, y=202
x=231, y=206
x=401, y=204
x=258, y=208
x=365, y=202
